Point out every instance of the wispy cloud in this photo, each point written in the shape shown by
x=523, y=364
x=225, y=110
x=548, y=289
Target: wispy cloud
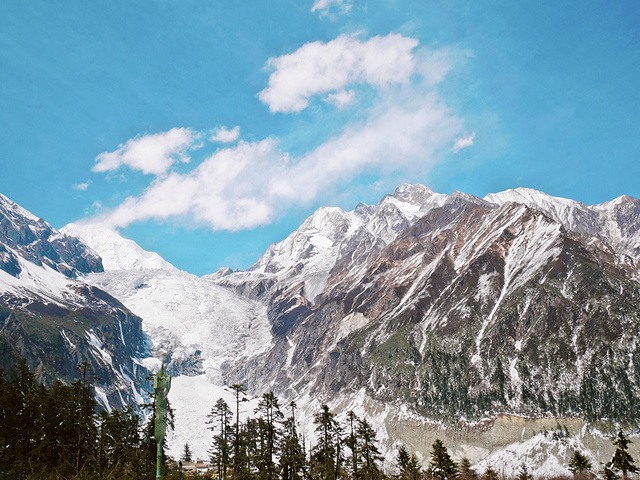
x=324, y=6
x=151, y=154
x=225, y=135
x=81, y=186
x=341, y=99
x=464, y=141
x=320, y=68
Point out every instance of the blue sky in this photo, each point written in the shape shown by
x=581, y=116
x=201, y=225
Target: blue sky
x=206, y=130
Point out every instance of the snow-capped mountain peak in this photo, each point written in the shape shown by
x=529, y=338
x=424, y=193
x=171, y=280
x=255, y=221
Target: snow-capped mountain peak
x=12, y=210
x=117, y=252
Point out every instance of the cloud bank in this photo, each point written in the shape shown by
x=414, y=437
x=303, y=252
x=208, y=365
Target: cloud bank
x=408, y=128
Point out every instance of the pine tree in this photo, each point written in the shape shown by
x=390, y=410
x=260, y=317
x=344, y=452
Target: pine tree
x=220, y=421
x=608, y=473
x=351, y=442
x=408, y=465
x=186, y=454
x=118, y=443
x=323, y=454
x=490, y=474
x=270, y=417
x=368, y=450
x=466, y=472
x=621, y=459
x=238, y=390
x=441, y=465
x=524, y=473
x=292, y=458
x=579, y=463
x=85, y=406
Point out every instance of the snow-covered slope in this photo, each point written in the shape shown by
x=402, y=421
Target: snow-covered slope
x=194, y=324
x=616, y=221
x=117, y=252
x=330, y=235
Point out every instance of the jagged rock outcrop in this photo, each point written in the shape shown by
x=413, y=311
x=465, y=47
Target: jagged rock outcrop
x=56, y=321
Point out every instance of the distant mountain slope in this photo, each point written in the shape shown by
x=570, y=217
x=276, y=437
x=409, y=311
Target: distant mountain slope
x=117, y=253
x=56, y=321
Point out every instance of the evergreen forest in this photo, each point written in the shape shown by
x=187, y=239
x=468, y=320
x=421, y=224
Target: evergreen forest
x=58, y=432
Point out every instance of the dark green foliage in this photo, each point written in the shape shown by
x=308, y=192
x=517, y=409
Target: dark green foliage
x=407, y=465
x=186, y=454
x=238, y=446
x=323, y=454
x=351, y=441
x=608, y=473
x=368, y=451
x=220, y=421
x=490, y=474
x=292, y=457
x=269, y=419
x=441, y=465
x=55, y=432
x=579, y=463
x=621, y=459
x=466, y=472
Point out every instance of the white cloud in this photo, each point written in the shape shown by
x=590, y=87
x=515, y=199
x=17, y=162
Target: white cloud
x=225, y=192
x=151, y=154
x=246, y=185
x=464, y=141
x=404, y=136
x=341, y=99
x=81, y=186
x=319, y=68
x=225, y=135
x=323, y=6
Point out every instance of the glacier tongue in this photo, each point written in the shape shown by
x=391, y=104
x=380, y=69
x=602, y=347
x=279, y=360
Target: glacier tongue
x=196, y=326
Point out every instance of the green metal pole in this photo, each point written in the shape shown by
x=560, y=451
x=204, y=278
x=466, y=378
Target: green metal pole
x=159, y=462
x=161, y=385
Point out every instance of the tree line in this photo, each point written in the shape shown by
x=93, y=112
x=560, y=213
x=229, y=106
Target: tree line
x=58, y=432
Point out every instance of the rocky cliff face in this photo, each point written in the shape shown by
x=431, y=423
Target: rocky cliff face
x=56, y=321
x=26, y=236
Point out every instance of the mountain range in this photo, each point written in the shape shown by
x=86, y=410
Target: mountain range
x=489, y=322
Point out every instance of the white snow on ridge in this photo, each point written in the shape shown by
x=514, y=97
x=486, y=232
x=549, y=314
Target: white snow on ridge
x=14, y=210
x=117, y=252
x=40, y=282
